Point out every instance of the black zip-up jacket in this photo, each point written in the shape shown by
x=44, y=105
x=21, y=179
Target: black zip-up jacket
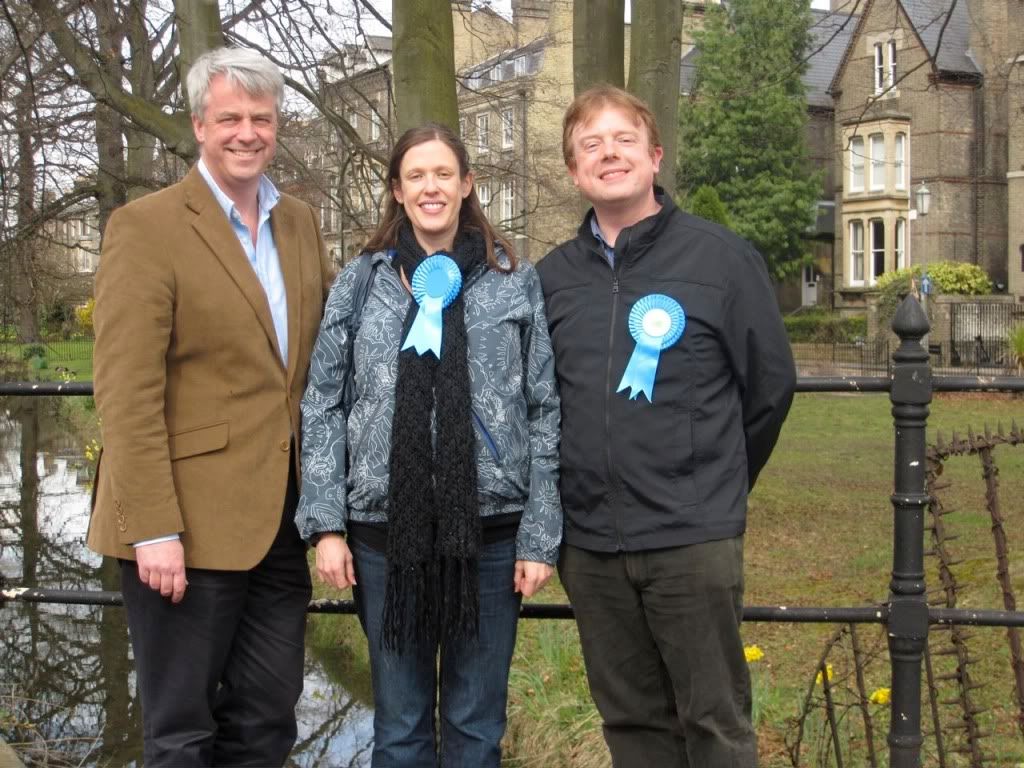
x=639, y=475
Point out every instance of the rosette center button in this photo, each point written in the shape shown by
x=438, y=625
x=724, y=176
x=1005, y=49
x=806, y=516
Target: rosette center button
x=657, y=322
x=437, y=284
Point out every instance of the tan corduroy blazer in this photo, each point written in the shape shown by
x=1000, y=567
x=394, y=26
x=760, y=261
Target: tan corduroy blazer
x=197, y=409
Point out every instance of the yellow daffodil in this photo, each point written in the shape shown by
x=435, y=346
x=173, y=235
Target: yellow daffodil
x=828, y=672
x=881, y=696
x=753, y=653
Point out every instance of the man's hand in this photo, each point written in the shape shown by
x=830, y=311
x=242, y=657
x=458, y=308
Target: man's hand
x=162, y=567
x=531, y=577
x=334, y=561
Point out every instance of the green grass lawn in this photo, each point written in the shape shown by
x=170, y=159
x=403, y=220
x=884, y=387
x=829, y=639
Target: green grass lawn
x=59, y=361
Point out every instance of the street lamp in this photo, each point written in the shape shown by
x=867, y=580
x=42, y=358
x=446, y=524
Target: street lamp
x=924, y=199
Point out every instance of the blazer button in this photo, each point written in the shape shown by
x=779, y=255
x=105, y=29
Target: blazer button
x=285, y=444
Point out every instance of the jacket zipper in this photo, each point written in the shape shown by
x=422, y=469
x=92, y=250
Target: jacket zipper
x=608, y=386
x=486, y=436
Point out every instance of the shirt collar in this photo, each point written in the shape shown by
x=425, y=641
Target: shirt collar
x=267, y=196
x=596, y=229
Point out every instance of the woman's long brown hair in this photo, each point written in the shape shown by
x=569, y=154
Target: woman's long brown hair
x=471, y=215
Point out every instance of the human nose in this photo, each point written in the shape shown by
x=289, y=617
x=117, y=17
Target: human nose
x=430, y=183
x=609, y=149
x=246, y=130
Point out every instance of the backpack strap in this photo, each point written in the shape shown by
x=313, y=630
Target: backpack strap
x=366, y=268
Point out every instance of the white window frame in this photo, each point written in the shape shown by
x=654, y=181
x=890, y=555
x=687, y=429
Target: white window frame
x=877, y=251
x=508, y=122
x=901, y=160
x=856, y=253
x=857, y=158
x=376, y=122
x=876, y=150
x=483, y=133
x=483, y=194
x=879, y=68
x=520, y=65
x=892, y=63
x=508, y=200
x=901, y=243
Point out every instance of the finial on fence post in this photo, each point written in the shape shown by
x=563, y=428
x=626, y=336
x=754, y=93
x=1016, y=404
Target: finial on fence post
x=910, y=395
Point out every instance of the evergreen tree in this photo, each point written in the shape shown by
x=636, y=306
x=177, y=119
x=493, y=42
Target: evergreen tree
x=742, y=131
x=706, y=203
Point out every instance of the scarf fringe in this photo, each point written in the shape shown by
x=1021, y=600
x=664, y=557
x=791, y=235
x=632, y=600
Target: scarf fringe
x=461, y=599
x=411, y=605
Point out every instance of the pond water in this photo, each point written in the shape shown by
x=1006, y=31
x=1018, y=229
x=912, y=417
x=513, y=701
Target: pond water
x=67, y=687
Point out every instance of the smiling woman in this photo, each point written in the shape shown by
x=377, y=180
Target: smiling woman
x=436, y=494
x=431, y=190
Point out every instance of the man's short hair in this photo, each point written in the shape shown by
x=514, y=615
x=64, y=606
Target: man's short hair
x=586, y=106
x=246, y=69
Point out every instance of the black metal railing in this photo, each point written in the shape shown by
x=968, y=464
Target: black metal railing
x=906, y=614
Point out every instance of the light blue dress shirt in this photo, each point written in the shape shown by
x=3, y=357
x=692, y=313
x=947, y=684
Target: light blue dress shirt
x=263, y=256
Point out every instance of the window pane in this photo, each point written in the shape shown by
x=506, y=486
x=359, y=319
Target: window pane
x=877, y=248
x=482, y=131
x=857, y=164
x=877, y=161
x=879, y=68
x=901, y=164
x=857, y=250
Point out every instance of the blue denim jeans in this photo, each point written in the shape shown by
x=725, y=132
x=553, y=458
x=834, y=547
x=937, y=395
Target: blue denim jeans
x=473, y=673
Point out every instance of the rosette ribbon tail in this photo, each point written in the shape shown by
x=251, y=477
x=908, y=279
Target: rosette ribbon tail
x=642, y=367
x=425, y=333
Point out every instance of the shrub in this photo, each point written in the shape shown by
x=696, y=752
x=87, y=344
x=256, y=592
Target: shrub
x=706, y=203
x=83, y=316
x=821, y=327
x=32, y=350
x=947, y=277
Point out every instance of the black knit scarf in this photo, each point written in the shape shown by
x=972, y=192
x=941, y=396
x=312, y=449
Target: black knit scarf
x=434, y=534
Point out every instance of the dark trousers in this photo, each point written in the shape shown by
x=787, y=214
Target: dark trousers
x=219, y=673
x=664, y=657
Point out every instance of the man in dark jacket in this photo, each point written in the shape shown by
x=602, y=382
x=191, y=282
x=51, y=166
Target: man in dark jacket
x=675, y=376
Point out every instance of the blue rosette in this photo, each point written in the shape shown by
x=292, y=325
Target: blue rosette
x=656, y=322
x=435, y=284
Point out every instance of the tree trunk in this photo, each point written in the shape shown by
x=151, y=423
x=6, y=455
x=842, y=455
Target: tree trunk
x=424, y=64
x=141, y=145
x=655, y=45
x=199, y=30
x=24, y=246
x=111, y=192
x=598, y=47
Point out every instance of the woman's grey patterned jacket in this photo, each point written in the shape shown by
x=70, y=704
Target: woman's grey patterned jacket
x=515, y=403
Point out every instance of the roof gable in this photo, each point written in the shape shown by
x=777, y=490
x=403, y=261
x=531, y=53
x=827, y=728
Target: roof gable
x=929, y=19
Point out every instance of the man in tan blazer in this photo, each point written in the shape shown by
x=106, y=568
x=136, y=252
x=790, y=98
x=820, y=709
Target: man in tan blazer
x=208, y=299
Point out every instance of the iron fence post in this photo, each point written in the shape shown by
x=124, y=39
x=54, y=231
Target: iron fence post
x=910, y=394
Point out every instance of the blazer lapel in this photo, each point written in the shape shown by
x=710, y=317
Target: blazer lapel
x=289, y=255
x=212, y=226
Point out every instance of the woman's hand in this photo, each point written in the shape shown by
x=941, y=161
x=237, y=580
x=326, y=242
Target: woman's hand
x=334, y=561
x=531, y=577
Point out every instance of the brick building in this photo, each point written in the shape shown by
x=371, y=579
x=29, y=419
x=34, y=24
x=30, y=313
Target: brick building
x=920, y=100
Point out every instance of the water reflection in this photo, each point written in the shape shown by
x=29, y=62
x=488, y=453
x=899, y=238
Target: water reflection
x=66, y=675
